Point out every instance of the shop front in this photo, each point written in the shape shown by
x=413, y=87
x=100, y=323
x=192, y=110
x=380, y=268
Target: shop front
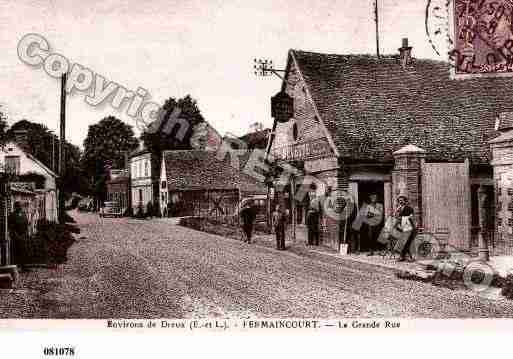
x=307, y=179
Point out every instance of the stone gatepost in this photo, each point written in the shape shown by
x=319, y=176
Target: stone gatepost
x=502, y=162
x=406, y=178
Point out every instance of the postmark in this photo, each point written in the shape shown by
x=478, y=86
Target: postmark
x=483, y=37
x=475, y=36
x=437, y=26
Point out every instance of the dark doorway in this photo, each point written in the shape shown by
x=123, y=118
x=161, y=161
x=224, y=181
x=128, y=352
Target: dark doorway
x=369, y=234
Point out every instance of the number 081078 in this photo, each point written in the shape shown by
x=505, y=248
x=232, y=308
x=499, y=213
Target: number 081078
x=59, y=351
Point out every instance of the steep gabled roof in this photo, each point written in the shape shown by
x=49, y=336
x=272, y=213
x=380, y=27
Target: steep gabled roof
x=202, y=170
x=32, y=158
x=372, y=107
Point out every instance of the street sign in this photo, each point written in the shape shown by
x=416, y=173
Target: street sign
x=282, y=107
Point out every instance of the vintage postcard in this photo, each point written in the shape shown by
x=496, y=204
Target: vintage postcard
x=193, y=166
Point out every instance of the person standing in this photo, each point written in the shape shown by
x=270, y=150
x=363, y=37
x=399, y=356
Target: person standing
x=312, y=223
x=405, y=224
x=248, y=216
x=367, y=225
x=374, y=217
x=18, y=224
x=279, y=223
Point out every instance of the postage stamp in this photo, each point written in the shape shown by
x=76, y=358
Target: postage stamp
x=483, y=37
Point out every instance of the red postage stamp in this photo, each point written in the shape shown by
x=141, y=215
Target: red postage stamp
x=483, y=37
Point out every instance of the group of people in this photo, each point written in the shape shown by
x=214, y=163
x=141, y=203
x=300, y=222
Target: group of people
x=396, y=232
x=279, y=219
x=369, y=225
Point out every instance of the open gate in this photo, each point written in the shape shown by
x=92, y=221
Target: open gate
x=446, y=201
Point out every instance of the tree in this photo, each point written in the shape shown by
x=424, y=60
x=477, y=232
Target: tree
x=166, y=134
x=106, y=145
x=41, y=143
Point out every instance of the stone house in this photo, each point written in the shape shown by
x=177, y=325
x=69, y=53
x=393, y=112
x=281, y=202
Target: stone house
x=391, y=125
x=198, y=183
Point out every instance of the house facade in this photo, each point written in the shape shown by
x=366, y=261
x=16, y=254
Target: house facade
x=15, y=161
x=118, y=188
x=392, y=125
x=142, y=180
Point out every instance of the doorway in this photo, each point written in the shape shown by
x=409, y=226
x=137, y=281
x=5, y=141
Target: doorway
x=368, y=236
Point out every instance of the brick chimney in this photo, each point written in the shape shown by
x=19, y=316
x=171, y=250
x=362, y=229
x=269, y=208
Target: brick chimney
x=405, y=53
x=21, y=139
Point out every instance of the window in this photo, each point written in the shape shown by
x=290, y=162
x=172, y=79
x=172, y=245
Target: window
x=164, y=184
x=146, y=174
x=140, y=195
x=12, y=164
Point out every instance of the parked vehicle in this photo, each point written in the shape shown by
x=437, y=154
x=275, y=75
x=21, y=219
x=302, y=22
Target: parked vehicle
x=260, y=203
x=110, y=209
x=86, y=204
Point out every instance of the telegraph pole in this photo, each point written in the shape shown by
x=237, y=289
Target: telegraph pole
x=62, y=127
x=62, y=141
x=376, y=19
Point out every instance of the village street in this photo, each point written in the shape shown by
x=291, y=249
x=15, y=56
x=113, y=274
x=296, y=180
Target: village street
x=127, y=268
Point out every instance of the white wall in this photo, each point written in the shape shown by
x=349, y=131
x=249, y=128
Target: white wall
x=26, y=164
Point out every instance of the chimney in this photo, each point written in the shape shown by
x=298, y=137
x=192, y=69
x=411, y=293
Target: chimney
x=405, y=53
x=21, y=139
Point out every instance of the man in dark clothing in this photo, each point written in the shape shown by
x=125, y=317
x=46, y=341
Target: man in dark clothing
x=279, y=224
x=404, y=216
x=18, y=231
x=312, y=222
x=248, y=216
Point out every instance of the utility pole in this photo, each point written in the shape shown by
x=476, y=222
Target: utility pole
x=376, y=19
x=53, y=150
x=62, y=152
x=62, y=127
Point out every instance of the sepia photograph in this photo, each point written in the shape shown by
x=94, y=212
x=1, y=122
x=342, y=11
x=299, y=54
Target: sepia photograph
x=237, y=166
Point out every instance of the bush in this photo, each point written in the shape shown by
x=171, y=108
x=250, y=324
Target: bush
x=139, y=212
x=193, y=222
x=149, y=210
x=507, y=287
x=49, y=245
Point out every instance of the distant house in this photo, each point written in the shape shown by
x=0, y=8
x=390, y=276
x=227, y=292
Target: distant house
x=197, y=183
x=23, y=166
x=205, y=137
x=118, y=188
x=257, y=139
x=143, y=182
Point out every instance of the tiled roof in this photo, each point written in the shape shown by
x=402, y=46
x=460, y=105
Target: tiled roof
x=202, y=170
x=373, y=107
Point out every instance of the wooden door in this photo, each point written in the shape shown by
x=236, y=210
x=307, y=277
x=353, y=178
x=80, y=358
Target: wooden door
x=446, y=201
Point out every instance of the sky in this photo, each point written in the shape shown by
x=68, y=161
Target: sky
x=204, y=48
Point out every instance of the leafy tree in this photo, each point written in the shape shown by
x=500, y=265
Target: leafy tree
x=42, y=144
x=106, y=145
x=170, y=133
x=164, y=134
